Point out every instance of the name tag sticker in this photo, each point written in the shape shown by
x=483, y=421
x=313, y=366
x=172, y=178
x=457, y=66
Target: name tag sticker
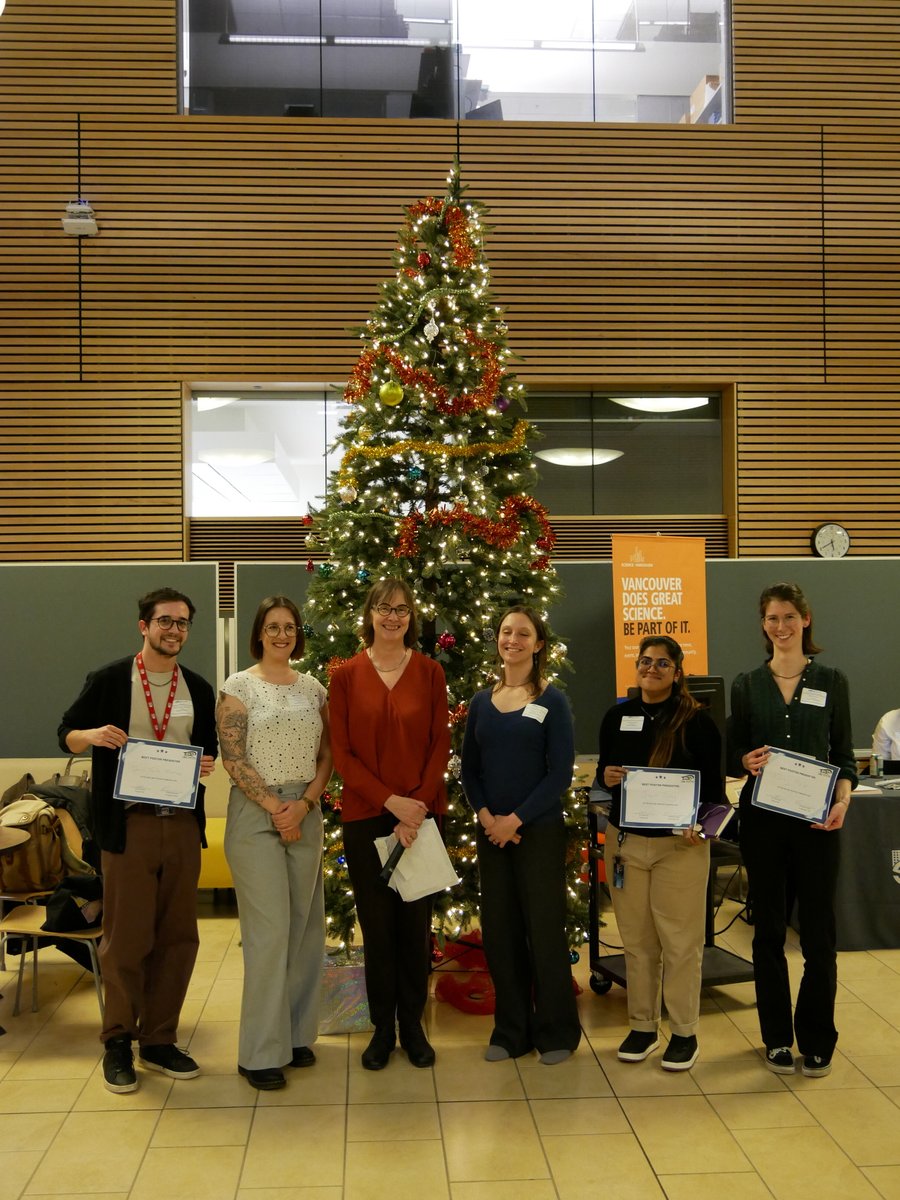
x=183, y=708
x=632, y=724
x=536, y=711
x=813, y=696
x=297, y=703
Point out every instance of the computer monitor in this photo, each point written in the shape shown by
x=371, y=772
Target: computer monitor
x=709, y=691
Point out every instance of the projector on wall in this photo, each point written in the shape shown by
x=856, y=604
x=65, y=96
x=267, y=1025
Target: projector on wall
x=79, y=220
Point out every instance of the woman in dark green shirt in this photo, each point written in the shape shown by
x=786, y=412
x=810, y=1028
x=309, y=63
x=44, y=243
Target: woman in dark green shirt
x=793, y=703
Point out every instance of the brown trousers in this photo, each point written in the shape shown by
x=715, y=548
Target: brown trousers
x=150, y=935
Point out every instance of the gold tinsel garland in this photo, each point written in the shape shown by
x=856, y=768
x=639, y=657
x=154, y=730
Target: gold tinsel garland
x=429, y=450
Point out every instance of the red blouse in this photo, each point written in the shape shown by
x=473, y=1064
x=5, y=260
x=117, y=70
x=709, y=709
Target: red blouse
x=389, y=741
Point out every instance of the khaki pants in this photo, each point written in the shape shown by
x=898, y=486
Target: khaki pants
x=660, y=912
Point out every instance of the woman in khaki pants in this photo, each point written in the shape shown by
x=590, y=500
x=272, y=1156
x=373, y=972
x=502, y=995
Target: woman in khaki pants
x=658, y=878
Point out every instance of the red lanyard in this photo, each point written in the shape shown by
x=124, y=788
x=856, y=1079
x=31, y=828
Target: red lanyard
x=148, y=695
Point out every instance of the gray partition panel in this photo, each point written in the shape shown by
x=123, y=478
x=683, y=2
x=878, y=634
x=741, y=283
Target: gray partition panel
x=852, y=621
x=61, y=620
x=851, y=602
x=256, y=581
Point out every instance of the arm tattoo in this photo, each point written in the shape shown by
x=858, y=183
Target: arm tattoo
x=232, y=727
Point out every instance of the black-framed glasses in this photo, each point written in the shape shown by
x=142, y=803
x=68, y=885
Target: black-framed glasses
x=385, y=610
x=182, y=624
x=273, y=630
x=662, y=664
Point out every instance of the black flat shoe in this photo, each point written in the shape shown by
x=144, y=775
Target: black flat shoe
x=377, y=1054
x=303, y=1057
x=418, y=1049
x=266, y=1079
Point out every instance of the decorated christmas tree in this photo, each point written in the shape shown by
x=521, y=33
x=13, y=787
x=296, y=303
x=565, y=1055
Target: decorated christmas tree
x=433, y=488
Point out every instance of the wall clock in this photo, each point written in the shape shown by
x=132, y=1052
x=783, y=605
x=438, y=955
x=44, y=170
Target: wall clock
x=830, y=540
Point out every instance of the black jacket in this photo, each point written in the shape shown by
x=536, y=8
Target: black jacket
x=106, y=700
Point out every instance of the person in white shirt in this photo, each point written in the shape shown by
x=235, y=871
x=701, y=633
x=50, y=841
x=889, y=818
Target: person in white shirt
x=273, y=731
x=886, y=738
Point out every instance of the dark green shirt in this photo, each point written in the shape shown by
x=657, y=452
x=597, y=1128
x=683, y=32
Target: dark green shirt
x=760, y=717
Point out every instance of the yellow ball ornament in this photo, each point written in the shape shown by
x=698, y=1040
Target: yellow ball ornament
x=390, y=393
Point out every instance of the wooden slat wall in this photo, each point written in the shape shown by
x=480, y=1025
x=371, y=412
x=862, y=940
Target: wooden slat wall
x=83, y=56
x=814, y=454
x=831, y=61
x=665, y=251
x=761, y=255
x=226, y=541
x=668, y=248
x=39, y=299
x=91, y=473
x=259, y=244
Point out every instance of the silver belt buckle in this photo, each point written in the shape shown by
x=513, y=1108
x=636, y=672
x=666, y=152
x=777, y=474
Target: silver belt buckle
x=161, y=811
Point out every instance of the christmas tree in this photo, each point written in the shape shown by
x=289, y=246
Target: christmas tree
x=433, y=488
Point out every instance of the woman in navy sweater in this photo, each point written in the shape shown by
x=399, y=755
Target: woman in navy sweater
x=517, y=760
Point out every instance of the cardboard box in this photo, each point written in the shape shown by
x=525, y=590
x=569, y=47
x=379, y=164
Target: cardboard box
x=703, y=93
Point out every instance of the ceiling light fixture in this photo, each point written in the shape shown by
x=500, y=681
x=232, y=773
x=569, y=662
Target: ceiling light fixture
x=578, y=456
x=208, y=403
x=660, y=404
x=234, y=458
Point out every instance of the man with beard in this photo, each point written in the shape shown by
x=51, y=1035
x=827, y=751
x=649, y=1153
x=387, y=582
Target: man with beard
x=150, y=853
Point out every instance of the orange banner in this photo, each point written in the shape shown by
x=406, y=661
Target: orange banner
x=659, y=587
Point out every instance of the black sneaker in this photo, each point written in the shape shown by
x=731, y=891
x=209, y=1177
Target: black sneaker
x=170, y=1060
x=780, y=1060
x=118, y=1065
x=681, y=1053
x=639, y=1045
x=816, y=1065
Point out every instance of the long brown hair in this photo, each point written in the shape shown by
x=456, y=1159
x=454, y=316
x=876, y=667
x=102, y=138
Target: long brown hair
x=538, y=659
x=685, y=707
x=788, y=593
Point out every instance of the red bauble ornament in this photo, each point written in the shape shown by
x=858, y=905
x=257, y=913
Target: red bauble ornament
x=423, y=259
x=310, y=565
x=446, y=641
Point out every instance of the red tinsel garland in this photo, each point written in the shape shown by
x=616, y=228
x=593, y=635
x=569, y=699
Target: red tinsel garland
x=463, y=248
x=502, y=533
x=332, y=665
x=482, y=397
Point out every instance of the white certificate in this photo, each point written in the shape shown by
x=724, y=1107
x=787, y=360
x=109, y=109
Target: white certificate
x=795, y=785
x=660, y=798
x=158, y=773
x=424, y=868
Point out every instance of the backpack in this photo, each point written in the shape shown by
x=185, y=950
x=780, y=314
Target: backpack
x=36, y=865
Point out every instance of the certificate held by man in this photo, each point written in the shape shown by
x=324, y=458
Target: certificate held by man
x=795, y=785
x=164, y=773
x=660, y=797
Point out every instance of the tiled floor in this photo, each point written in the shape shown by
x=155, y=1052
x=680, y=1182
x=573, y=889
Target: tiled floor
x=466, y=1130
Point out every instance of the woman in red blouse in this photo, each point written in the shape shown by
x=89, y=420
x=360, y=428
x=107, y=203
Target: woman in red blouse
x=391, y=740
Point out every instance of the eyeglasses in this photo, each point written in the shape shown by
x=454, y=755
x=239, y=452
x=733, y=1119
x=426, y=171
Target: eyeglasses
x=385, y=610
x=181, y=623
x=662, y=664
x=273, y=630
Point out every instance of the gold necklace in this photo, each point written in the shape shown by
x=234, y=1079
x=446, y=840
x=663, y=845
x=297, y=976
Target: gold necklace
x=388, y=670
x=777, y=676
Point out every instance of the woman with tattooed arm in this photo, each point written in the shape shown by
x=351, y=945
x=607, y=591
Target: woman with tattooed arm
x=273, y=732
